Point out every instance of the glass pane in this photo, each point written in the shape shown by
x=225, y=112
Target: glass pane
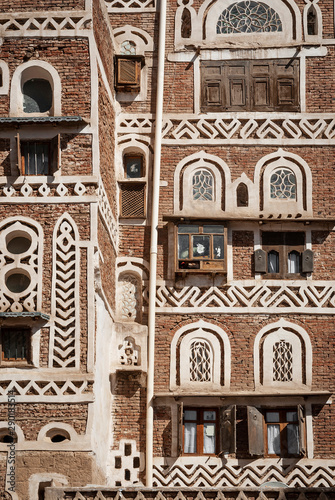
x=292, y=416
x=14, y=344
x=213, y=229
x=183, y=244
x=273, y=439
x=190, y=437
x=218, y=249
x=209, y=415
x=186, y=228
x=202, y=185
x=294, y=262
x=201, y=246
x=209, y=438
x=190, y=414
x=37, y=96
x=133, y=166
x=293, y=439
x=36, y=158
x=273, y=262
x=272, y=416
x=248, y=17
x=283, y=184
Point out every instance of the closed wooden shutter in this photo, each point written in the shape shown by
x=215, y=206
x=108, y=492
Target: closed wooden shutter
x=237, y=80
x=261, y=75
x=132, y=199
x=286, y=89
x=128, y=73
x=255, y=431
x=228, y=429
x=20, y=166
x=212, y=94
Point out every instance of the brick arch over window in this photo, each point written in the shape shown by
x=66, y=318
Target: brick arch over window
x=196, y=358
x=283, y=356
x=286, y=10
x=185, y=202
x=39, y=70
x=270, y=201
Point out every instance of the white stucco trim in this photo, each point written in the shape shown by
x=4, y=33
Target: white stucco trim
x=57, y=428
x=5, y=78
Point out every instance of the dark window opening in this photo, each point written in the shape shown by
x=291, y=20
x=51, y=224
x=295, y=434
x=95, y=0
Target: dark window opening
x=242, y=195
x=37, y=96
x=186, y=24
x=127, y=475
x=133, y=166
x=311, y=21
x=38, y=157
x=284, y=253
x=41, y=489
x=127, y=450
x=7, y=438
x=15, y=344
x=250, y=85
x=58, y=438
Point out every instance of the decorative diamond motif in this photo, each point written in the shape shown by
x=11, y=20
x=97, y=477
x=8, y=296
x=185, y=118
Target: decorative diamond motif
x=26, y=190
x=44, y=190
x=61, y=190
x=200, y=361
x=248, y=17
x=282, y=362
x=79, y=189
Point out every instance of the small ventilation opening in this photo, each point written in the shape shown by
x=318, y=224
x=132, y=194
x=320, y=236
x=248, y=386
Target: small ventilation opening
x=127, y=450
x=58, y=438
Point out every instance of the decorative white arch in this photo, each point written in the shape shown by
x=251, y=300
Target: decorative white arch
x=57, y=428
x=318, y=13
x=142, y=39
x=35, y=69
x=18, y=432
x=284, y=8
x=184, y=173
x=132, y=146
x=286, y=330
x=206, y=331
x=266, y=166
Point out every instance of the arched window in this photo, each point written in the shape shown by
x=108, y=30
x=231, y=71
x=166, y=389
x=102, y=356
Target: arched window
x=203, y=184
x=273, y=262
x=242, y=195
x=312, y=28
x=294, y=262
x=200, y=358
x=37, y=96
x=283, y=356
x=186, y=23
x=248, y=17
x=200, y=361
x=283, y=184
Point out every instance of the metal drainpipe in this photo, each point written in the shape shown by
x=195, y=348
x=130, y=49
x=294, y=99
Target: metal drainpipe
x=153, y=246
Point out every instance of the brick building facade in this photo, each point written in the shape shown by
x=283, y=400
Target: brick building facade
x=167, y=249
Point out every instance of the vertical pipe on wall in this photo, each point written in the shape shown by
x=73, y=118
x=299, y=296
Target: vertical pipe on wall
x=153, y=243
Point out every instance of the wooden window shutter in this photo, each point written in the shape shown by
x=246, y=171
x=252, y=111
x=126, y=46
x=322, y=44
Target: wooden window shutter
x=237, y=80
x=128, y=73
x=260, y=261
x=180, y=412
x=255, y=431
x=261, y=75
x=54, y=154
x=302, y=440
x=228, y=429
x=212, y=90
x=286, y=86
x=307, y=261
x=132, y=199
x=20, y=163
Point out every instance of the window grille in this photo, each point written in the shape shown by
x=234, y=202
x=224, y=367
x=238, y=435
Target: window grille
x=282, y=362
x=248, y=17
x=202, y=185
x=130, y=298
x=200, y=361
x=283, y=184
x=128, y=48
x=133, y=199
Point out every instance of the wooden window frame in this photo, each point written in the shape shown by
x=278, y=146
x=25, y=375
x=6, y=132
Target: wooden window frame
x=224, y=76
x=16, y=361
x=122, y=85
x=200, y=430
x=206, y=265
x=283, y=423
x=283, y=250
x=54, y=154
x=135, y=156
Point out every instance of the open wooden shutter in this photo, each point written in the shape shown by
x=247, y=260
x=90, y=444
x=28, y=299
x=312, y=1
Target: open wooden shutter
x=180, y=410
x=228, y=429
x=307, y=261
x=260, y=261
x=302, y=439
x=20, y=164
x=54, y=154
x=255, y=431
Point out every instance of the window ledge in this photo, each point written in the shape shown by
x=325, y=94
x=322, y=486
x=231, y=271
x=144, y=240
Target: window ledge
x=222, y=394
x=33, y=315
x=64, y=120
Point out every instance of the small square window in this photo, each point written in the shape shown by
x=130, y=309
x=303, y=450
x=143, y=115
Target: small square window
x=128, y=73
x=15, y=345
x=133, y=166
x=38, y=157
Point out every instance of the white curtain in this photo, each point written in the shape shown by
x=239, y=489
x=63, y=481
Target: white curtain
x=190, y=437
x=209, y=438
x=293, y=262
x=273, y=439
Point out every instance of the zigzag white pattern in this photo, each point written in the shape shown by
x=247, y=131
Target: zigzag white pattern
x=107, y=215
x=223, y=128
x=34, y=23
x=137, y=5
x=49, y=387
x=64, y=333
x=305, y=473
x=316, y=297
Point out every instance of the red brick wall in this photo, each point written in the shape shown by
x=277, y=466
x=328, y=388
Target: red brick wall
x=41, y=5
